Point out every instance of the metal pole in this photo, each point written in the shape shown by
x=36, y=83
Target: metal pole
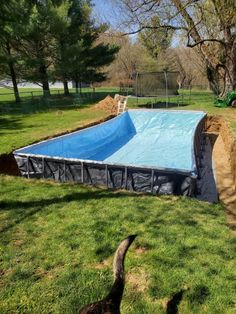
x=136, y=92
x=106, y=170
x=166, y=89
x=43, y=167
x=27, y=162
x=82, y=172
x=126, y=175
x=152, y=181
x=64, y=171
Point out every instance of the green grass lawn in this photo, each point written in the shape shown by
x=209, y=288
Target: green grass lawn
x=58, y=240
x=24, y=123
x=7, y=94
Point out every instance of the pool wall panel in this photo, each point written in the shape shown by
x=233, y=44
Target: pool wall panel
x=113, y=177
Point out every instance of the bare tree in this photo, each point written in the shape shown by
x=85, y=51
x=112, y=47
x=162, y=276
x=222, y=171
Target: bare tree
x=190, y=66
x=208, y=25
x=131, y=58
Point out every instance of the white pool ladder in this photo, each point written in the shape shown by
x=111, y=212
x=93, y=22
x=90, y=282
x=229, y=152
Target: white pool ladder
x=122, y=103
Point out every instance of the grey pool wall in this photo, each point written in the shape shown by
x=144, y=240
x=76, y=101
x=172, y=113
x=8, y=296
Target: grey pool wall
x=148, y=179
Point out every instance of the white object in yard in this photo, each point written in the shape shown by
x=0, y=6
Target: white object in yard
x=122, y=102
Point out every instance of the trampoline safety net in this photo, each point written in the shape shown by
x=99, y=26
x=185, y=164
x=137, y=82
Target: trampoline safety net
x=156, y=83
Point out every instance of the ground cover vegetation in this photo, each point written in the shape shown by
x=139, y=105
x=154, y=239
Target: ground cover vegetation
x=41, y=117
x=57, y=244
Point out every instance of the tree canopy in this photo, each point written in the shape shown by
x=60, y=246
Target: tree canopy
x=208, y=25
x=50, y=40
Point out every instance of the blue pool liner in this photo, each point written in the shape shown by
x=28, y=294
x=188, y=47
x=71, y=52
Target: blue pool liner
x=164, y=140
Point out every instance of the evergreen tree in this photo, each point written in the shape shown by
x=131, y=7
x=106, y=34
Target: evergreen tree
x=13, y=18
x=50, y=40
x=38, y=46
x=79, y=57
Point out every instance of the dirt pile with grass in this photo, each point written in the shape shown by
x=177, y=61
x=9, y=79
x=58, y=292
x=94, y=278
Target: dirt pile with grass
x=108, y=104
x=224, y=156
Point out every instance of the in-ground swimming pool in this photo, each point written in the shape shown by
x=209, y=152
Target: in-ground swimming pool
x=155, y=151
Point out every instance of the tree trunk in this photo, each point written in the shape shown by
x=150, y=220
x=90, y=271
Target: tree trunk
x=230, y=64
x=14, y=82
x=66, y=88
x=13, y=75
x=208, y=56
x=77, y=87
x=44, y=80
x=213, y=79
x=230, y=51
x=80, y=88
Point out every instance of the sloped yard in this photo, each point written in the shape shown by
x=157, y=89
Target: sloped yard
x=58, y=240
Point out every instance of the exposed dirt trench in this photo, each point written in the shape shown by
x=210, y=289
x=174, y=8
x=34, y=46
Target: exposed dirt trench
x=224, y=159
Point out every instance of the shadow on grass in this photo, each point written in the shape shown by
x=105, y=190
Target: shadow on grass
x=172, y=304
x=9, y=124
x=27, y=209
x=40, y=104
x=22, y=210
x=77, y=196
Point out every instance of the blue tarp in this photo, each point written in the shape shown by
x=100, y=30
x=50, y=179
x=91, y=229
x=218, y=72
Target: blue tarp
x=147, y=138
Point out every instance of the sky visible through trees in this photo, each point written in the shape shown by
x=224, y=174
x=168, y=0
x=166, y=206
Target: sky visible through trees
x=105, y=11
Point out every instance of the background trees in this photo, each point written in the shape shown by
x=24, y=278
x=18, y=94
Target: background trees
x=48, y=40
x=134, y=56
x=209, y=26
x=13, y=17
x=79, y=57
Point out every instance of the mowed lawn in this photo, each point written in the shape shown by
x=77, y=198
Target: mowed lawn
x=57, y=241
x=24, y=123
x=34, y=119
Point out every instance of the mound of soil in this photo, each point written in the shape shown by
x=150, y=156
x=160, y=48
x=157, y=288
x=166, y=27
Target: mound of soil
x=213, y=124
x=108, y=104
x=8, y=165
x=218, y=125
x=224, y=155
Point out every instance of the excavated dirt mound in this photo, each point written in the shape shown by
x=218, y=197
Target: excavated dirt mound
x=8, y=165
x=224, y=156
x=213, y=124
x=108, y=104
x=217, y=125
